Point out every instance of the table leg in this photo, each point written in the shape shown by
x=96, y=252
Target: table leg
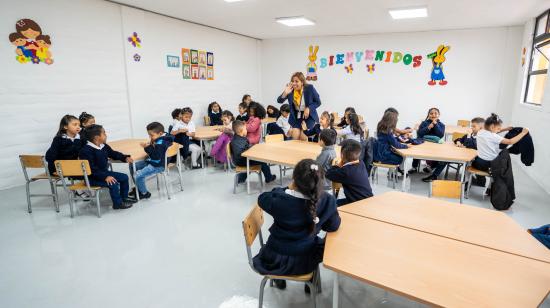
x=335, y=291
x=202, y=155
x=463, y=172
x=248, y=176
x=404, y=183
x=134, y=179
x=281, y=173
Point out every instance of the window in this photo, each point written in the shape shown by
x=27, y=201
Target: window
x=538, y=65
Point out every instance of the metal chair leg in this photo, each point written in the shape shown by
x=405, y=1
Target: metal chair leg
x=394, y=173
x=262, y=286
x=165, y=176
x=313, y=292
x=281, y=174
x=97, y=204
x=71, y=204
x=158, y=183
x=54, y=196
x=261, y=181
x=470, y=176
x=235, y=183
x=181, y=177
x=28, y=189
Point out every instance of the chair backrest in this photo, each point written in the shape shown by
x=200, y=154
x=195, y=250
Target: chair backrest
x=73, y=167
x=360, y=118
x=446, y=189
x=336, y=187
x=206, y=120
x=173, y=150
x=457, y=136
x=463, y=123
x=335, y=116
x=32, y=161
x=274, y=138
x=252, y=225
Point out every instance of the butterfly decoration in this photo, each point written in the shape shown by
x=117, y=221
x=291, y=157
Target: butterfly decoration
x=135, y=40
x=370, y=68
x=349, y=68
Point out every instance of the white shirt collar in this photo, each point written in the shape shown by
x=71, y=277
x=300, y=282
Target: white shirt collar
x=295, y=194
x=95, y=146
x=72, y=139
x=350, y=163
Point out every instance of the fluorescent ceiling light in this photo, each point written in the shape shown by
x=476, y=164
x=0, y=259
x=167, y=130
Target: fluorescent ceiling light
x=232, y=0
x=409, y=13
x=297, y=21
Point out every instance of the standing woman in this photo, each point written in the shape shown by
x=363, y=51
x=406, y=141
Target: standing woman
x=304, y=101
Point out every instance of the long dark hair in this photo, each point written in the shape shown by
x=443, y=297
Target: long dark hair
x=244, y=98
x=212, y=105
x=229, y=114
x=84, y=117
x=65, y=120
x=354, y=124
x=387, y=123
x=308, y=179
x=430, y=110
x=257, y=109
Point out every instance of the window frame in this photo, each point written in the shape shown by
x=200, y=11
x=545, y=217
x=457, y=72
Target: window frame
x=534, y=44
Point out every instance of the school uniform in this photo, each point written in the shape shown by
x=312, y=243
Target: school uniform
x=98, y=157
x=276, y=114
x=238, y=146
x=282, y=122
x=242, y=117
x=292, y=249
x=468, y=142
x=542, y=234
x=488, y=148
x=349, y=134
x=188, y=146
x=215, y=118
x=383, y=149
x=354, y=179
x=63, y=148
x=325, y=158
x=438, y=130
x=253, y=130
x=154, y=163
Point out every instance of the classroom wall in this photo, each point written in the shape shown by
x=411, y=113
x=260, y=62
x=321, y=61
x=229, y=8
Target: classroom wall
x=94, y=71
x=481, y=70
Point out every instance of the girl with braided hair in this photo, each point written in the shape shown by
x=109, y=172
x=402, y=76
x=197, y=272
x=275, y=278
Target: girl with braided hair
x=300, y=211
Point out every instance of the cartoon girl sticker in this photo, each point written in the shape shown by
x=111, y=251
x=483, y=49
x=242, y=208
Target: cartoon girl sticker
x=43, y=53
x=437, y=70
x=30, y=30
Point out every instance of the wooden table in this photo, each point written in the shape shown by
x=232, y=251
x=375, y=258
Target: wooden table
x=432, y=269
x=133, y=148
x=207, y=133
x=445, y=152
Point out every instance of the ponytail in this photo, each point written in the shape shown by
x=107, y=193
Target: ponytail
x=308, y=178
x=494, y=119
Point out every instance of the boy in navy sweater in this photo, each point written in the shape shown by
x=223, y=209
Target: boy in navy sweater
x=471, y=142
x=156, y=149
x=97, y=153
x=351, y=173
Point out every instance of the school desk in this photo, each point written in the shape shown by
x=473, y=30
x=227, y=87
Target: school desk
x=207, y=133
x=470, y=224
x=451, y=129
x=444, y=152
x=133, y=148
x=432, y=269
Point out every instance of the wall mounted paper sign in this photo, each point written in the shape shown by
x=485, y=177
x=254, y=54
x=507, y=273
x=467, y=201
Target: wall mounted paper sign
x=202, y=57
x=137, y=57
x=311, y=67
x=210, y=59
x=194, y=71
x=186, y=71
x=31, y=45
x=135, y=40
x=173, y=61
x=185, y=56
x=438, y=58
x=348, y=57
x=194, y=56
x=370, y=68
x=202, y=72
x=210, y=73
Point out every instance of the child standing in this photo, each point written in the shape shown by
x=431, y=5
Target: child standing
x=66, y=144
x=300, y=211
x=156, y=148
x=215, y=114
x=327, y=139
x=353, y=131
x=187, y=128
x=256, y=113
x=352, y=173
x=326, y=121
x=243, y=116
x=386, y=142
x=97, y=153
x=219, y=149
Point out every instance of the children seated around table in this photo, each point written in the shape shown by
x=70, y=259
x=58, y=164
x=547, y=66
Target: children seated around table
x=272, y=112
x=215, y=114
x=353, y=130
x=239, y=144
x=66, y=144
x=86, y=120
x=219, y=149
x=97, y=153
x=281, y=126
x=300, y=211
x=386, y=143
x=187, y=128
x=343, y=122
x=476, y=124
x=326, y=121
x=327, y=139
x=256, y=112
x=351, y=173
x=243, y=116
x=156, y=147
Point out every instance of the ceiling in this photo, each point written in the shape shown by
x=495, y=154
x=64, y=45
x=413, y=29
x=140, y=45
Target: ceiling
x=256, y=18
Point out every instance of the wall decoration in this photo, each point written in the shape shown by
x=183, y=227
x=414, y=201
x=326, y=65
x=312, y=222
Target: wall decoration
x=135, y=40
x=523, y=57
x=210, y=58
x=312, y=65
x=137, y=57
x=194, y=71
x=370, y=68
x=370, y=55
x=202, y=71
x=438, y=57
x=173, y=61
x=194, y=56
x=210, y=73
x=31, y=45
x=349, y=68
x=185, y=56
x=202, y=57
x=186, y=71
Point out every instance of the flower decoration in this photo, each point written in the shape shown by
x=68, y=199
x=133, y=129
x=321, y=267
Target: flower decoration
x=35, y=60
x=137, y=57
x=135, y=40
x=22, y=59
x=48, y=61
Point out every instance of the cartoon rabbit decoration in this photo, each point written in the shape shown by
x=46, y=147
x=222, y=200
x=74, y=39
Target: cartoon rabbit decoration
x=312, y=66
x=437, y=70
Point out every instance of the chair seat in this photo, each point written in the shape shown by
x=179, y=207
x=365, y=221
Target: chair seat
x=82, y=186
x=473, y=170
x=171, y=165
x=44, y=176
x=305, y=277
x=256, y=168
x=381, y=165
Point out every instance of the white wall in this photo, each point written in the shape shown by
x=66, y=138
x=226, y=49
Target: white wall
x=89, y=74
x=480, y=68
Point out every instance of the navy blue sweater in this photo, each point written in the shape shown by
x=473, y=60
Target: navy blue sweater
x=238, y=145
x=354, y=179
x=215, y=118
x=62, y=148
x=438, y=129
x=315, y=131
x=157, y=150
x=290, y=233
x=99, y=160
x=468, y=142
x=383, y=147
x=243, y=118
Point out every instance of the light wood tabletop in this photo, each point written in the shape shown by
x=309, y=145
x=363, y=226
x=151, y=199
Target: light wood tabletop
x=130, y=147
x=268, y=120
x=432, y=269
x=461, y=222
x=286, y=153
x=451, y=129
x=439, y=151
x=207, y=132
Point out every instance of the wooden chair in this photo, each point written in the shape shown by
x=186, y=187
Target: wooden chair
x=38, y=162
x=206, y=120
x=446, y=189
x=77, y=168
x=336, y=187
x=335, y=116
x=252, y=228
x=455, y=166
x=463, y=123
x=392, y=172
x=172, y=151
x=238, y=170
x=488, y=180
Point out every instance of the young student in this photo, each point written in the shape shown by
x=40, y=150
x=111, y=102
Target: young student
x=97, y=153
x=353, y=130
x=351, y=173
x=386, y=142
x=86, y=120
x=343, y=121
x=488, y=142
x=256, y=113
x=273, y=112
x=243, y=116
x=215, y=114
x=327, y=139
x=300, y=211
x=159, y=142
x=187, y=127
x=219, y=149
x=470, y=142
x=246, y=99
x=238, y=145
x=326, y=121
x=66, y=144
x=433, y=129
x=407, y=131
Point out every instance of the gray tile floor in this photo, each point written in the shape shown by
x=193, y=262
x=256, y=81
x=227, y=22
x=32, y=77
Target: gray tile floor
x=184, y=252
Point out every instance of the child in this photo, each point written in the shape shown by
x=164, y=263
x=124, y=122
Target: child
x=327, y=139
x=97, y=153
x=488, y=142
x=343, y=122
x=243, y=116
x=386, y=142
x=300, y=211
x=239, y=144
x=326, y=121
x=351, y=173
x=273, y=112
x=187, y=128
x=219, y=149
x=470, y=142
x=19, y=41
x=159, y=142
x=353, y=131
x=407, y=132
x=433, y=130
x=282, y=121
x=542, y=234
x=246, y=99
x=86, y=120
x=256, y=113
x=66, y=144
x=215, y=114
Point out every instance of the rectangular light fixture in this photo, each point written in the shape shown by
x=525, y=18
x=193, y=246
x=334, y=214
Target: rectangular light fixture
x=406, y=13
x=232, y=0
x=296, y=21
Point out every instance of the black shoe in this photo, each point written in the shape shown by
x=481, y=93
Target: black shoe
x=280, y=284
x=125, y=205
x=427, y=170
x=132, y=193
x=130, y=200
x=146, y=195
x=412, y=171
x=400, y=171
x=273, y=177
x=429, y=178
x=196, y=167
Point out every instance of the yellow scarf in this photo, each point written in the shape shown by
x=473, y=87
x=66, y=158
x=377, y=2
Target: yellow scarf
x=298, y=99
